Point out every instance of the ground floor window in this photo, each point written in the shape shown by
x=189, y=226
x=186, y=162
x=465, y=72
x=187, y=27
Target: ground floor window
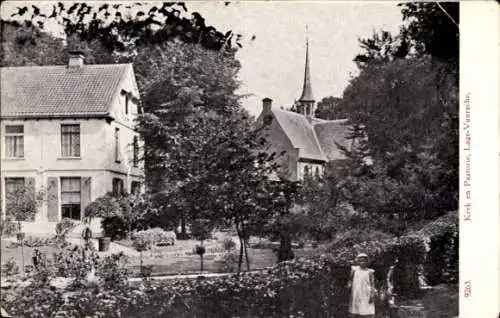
x=135, y=187
x=118, y=186
x=12, y=185
x=71, y=198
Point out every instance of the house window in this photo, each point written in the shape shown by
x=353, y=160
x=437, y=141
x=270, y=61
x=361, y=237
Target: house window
x=117, y=145
x=12, y=185
x=317, y=172
x=70, y=140
x=135, y=187
x=135, y=145
x=126, y=104
x=71, y=198
x=117, y=186
x=14, y=141
x=306, y=170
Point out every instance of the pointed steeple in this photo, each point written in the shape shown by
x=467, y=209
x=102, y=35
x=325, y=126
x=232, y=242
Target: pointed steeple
x=307, y=95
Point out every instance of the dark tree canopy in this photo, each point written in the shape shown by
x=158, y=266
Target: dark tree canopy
x=429, y=28
x=121, y=26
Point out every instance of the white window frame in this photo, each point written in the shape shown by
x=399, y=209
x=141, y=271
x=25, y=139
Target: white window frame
x=14, y=135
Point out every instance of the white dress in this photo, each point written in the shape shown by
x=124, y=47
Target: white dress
x=361, y=291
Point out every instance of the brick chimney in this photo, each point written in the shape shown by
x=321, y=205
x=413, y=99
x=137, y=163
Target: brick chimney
x=76, y=59
x=266, y=105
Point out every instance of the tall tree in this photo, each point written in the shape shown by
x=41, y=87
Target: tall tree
x=429, y=28
x=327, y=108
x=123, y=26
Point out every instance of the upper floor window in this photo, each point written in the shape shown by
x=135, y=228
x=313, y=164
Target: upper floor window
x=14, y=141
x=135, y=146
x=127, y=101
x=117, y=145
x=70, y=140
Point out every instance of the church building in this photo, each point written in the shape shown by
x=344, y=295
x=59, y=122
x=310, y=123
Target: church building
x=308, y=143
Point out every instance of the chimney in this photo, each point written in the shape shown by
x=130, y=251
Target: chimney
x=266, y=105
x=75, y=59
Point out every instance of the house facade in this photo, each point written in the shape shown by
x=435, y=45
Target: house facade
x=307, y=143
x=68, y=131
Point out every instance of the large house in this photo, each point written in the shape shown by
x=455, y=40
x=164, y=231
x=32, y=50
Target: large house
x=68, y=130
x=308, y=143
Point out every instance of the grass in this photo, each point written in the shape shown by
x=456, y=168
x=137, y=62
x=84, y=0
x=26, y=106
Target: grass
x=168, y=260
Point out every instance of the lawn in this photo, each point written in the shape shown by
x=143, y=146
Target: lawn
x=168, y=260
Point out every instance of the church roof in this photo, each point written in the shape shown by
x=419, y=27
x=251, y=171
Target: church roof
x=301, y=134
x=329, y=134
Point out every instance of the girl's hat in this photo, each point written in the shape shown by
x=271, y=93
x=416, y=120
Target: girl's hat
x=361, y=255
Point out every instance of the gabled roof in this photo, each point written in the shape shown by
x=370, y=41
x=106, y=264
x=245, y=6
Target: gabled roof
x=44, y=91
x=330, y=133
x=301, y=134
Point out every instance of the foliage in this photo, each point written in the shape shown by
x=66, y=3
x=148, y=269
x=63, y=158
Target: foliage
x=142, y=241
x=125, y=26
x=121, y=214
x=22, y=203
x=102, y=207
x=412, y=139
x=228, y=244
x=76, y=263
x=7, y=226
x=156, y=236
x=11, y=267
x=428, y=29
x=327, y=108
x=63, y=228
x=201, y=229
x=112, y=272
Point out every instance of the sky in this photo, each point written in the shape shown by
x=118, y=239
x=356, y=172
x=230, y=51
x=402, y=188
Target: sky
x=273, y=64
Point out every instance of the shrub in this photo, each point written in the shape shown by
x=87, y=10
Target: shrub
x=7, y=226
x=11, y=267
x=114, y=227
x=228, y=262
x=228, y=245
x=63, y=228
x=157, y=236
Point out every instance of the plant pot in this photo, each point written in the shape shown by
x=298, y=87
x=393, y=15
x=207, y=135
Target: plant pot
x=104, y=243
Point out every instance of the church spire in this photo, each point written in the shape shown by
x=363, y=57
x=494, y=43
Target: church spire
x=307, y=98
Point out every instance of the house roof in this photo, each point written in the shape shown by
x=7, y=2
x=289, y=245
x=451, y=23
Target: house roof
x=40, y=91
x=300, y=132
x=329, y=134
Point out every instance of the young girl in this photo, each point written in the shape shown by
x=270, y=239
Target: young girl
x=362, y=284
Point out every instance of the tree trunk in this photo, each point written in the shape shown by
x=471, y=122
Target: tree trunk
x=201, y=260
x=22, y=247
x=183, y=225
x=240, y=259
x=285, y=250
x=246, y=254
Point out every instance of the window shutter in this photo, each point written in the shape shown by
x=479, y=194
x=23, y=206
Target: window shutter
x=52, y=200
x=85, y=194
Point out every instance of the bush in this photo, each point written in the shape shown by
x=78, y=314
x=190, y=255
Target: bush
x=8, y=227
x=11, y=267
x=114, y=227
x=157, y=236
x=228, y=244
